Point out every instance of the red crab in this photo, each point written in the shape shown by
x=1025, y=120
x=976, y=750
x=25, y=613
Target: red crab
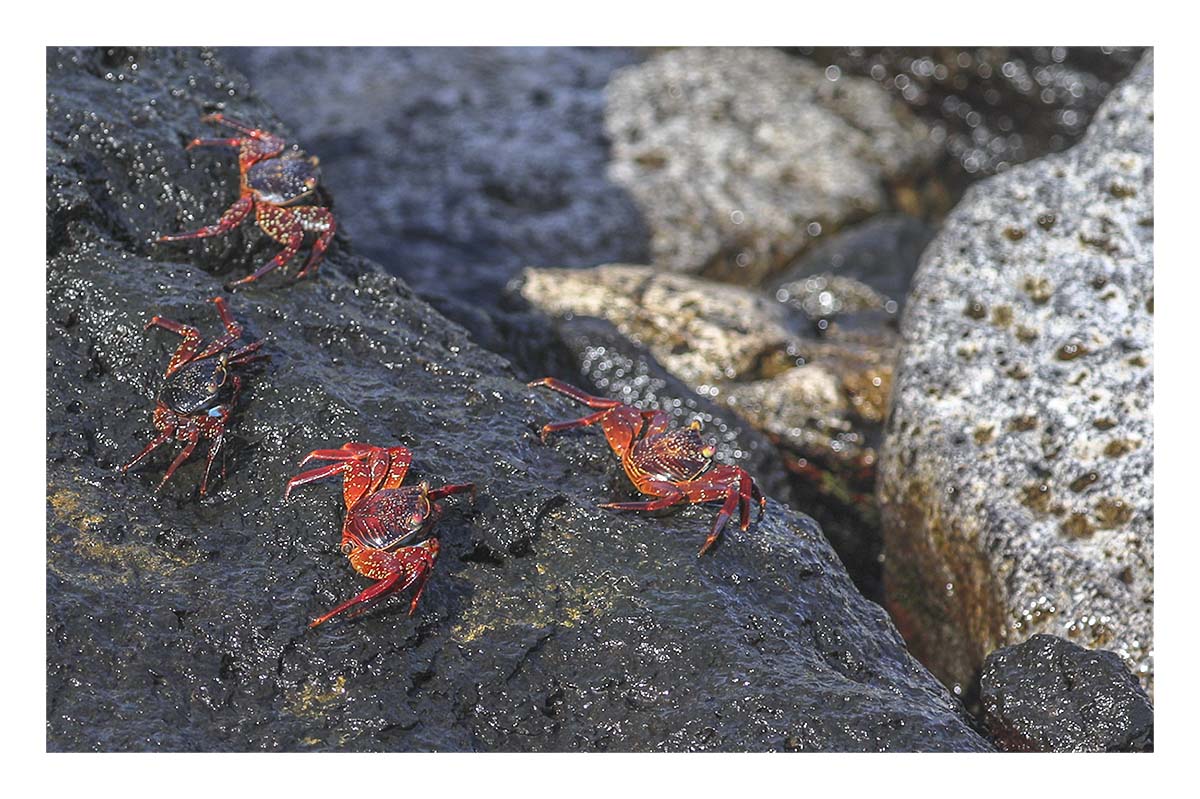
x=199, y=390
x=271, y=185
x=380, y=516
x=671, y=465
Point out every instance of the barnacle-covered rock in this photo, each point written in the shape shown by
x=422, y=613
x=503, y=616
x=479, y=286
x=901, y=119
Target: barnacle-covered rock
x=1016, y=479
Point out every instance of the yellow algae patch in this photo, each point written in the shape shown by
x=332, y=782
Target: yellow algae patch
x=310, y=700
x=68, y=507
x=563, y=606
x=124, y=558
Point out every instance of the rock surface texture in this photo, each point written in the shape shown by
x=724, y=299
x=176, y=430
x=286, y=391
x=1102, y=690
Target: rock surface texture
x=175, y=623
x=739, y=158
x=1049, y=695
x=1016, y=477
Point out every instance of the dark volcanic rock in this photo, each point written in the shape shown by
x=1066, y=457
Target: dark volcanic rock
x=1050, y=695
x=175, y=623
x=881, y=254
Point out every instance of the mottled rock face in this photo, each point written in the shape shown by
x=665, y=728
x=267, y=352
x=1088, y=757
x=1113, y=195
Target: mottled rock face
x=1016, y=478
x=175, y=623
x=1049, y=695
x=739, y=158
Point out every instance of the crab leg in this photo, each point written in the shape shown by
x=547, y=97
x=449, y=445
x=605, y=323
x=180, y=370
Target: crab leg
x=410, y=564
x=241, y=127
x=287, y=232
x=218, y=441
x=576, y=394
x=246, y=354
x=214, y=143
x=234, y=216
x=667, y=494
x=184, y=454
x=554, y=427
x=446, y=490
x=159, y=440
x=732, y=500
x=316, y=219
x=304, y=478
x=376, y=592
x=186, y=349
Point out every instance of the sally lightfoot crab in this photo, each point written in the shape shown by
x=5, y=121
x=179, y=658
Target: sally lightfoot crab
x=199, y=390
x=673, y=466
x=272, y=183
x=381, y=515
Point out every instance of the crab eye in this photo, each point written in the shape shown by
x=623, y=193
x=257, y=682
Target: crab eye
x=415, y=519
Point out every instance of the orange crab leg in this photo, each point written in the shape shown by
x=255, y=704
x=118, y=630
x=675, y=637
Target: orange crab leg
x=234, y=216
x=214, y=143
x=554, y=384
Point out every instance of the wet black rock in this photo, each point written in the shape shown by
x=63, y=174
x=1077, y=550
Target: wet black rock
x=1050, y=695
x=178, y=623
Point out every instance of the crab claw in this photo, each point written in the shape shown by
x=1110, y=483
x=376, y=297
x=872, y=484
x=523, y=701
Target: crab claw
x=408, y=566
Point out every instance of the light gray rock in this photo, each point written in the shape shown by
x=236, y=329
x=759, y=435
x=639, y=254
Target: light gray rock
x=1016, y=476
x=740, y=157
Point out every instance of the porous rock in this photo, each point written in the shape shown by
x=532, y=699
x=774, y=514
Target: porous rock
x=1016, y=476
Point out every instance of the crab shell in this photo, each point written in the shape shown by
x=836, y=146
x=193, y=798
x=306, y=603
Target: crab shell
x=199, y=387
x=283, y=180
x=392, y=516
x=675, y=456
